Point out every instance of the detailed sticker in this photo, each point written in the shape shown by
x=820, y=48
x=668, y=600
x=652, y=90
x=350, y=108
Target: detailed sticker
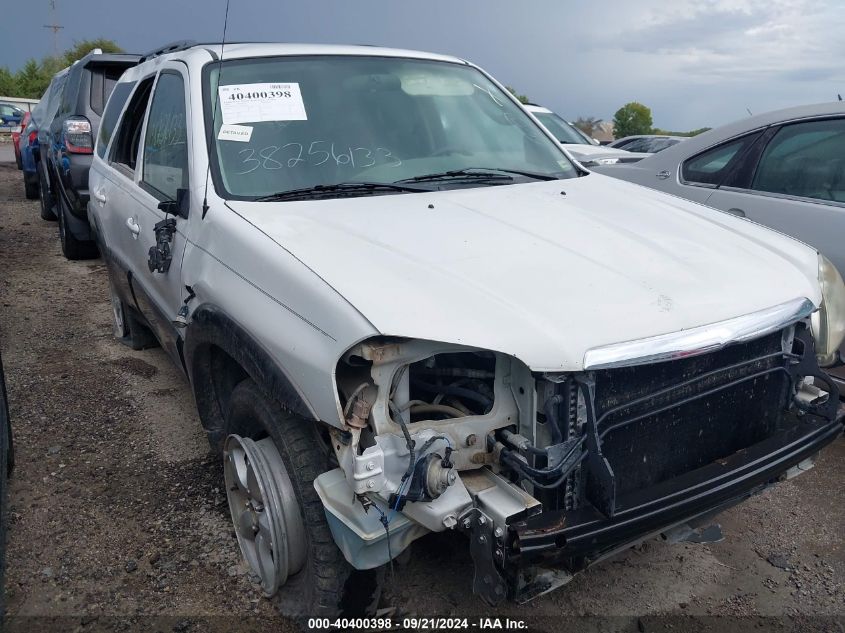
x=253, y=103
x=230, y=132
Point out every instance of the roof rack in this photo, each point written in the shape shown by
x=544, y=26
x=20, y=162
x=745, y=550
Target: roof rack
x=173, y=47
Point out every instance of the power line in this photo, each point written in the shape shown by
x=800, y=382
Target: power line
x=55, y=27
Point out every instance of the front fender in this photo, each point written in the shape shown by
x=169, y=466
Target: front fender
x=211, y=327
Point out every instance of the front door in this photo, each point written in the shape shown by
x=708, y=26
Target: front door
x=162, y=171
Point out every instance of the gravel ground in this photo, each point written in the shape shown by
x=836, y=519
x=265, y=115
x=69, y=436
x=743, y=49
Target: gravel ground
x=118, y=511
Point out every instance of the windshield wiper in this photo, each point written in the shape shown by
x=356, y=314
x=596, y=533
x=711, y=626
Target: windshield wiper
x=478, y=173
x=320, y=191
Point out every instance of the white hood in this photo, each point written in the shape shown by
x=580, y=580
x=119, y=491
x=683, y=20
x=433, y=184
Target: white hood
x=525, y=270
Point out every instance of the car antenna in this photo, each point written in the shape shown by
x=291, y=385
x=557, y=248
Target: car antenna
x=840, y=97
x=750, y=113
x=214, y=110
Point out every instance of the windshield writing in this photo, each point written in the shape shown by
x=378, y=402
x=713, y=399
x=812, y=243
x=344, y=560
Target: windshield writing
x=365, y=119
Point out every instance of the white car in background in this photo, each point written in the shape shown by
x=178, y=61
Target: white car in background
x=403, y=309
x=578, y=144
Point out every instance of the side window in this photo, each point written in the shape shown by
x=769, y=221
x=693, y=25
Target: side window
x=712, y=166
x=805, y=159
x=113, y=108
x=637, y=145
x=124, y=150
x=103, y=81
x=166, y=139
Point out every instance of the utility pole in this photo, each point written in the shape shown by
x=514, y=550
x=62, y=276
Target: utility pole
x=55, y=26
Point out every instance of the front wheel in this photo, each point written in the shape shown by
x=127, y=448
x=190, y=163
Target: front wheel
x=271, y=459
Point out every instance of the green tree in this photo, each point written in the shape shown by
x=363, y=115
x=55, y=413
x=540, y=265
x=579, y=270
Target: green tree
x=8, y=85
x=32, y=80
x=588, y=125
x=632, y=118
x=521, y=98
x=82, y=48
x=695, y=132
x=29, y=81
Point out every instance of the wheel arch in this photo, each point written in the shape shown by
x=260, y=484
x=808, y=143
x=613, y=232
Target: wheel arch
x=219, y=353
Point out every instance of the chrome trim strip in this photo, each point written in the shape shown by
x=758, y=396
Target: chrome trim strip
x=698, y=340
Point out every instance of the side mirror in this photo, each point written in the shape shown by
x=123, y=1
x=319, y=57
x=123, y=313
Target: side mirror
x=180, y=206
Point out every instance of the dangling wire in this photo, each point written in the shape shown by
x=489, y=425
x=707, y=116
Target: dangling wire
x=386, y=523
x=216, y=99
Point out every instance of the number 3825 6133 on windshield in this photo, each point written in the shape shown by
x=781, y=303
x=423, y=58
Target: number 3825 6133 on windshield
x=315, y=154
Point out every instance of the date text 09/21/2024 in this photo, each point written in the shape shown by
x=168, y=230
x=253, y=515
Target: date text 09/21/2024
x=418, y=623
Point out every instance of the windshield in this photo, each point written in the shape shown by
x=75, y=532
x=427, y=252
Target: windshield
x=288, y=123
x=562, y=131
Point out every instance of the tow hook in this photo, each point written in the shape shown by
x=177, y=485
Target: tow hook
x=486, y=545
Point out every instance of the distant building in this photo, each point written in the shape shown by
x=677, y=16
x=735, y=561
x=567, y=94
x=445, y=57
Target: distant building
x=603, y=132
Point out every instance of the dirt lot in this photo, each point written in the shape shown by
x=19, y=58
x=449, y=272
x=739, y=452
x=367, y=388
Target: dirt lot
x=118, y=511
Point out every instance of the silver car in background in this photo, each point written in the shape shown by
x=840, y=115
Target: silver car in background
x=651, y=143
x=783, y=169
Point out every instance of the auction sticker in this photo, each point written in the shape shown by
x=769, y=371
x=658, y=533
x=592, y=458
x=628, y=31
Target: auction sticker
x=231, y=132
x=253, y=103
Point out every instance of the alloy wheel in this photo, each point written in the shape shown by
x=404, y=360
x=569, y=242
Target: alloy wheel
x=264, y=510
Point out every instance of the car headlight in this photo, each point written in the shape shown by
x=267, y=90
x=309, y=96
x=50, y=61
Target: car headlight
x=829, y=320
x=604, y=161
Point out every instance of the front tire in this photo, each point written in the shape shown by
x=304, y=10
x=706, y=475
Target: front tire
x=325, y=585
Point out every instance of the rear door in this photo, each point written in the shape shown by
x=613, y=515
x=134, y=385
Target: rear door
x=796, y=185
x=113, y=179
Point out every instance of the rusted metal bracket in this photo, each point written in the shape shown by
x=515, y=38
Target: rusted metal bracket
x=488, y=582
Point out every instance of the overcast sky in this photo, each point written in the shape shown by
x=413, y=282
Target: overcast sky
x=694, y=62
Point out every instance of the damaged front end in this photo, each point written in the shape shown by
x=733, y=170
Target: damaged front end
x=548, y=473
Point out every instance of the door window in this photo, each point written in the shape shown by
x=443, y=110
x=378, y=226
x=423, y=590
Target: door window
x=166, y=139
x=711, y=167
x=113, y=108
x=805, y=159
x=124, y=151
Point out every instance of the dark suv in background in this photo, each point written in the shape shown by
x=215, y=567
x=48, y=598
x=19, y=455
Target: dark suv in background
x=67, y=153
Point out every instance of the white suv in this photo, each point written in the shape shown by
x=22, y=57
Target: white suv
x=402, y=309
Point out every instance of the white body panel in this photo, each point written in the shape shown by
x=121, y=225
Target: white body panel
x=542, y=272
x=526, y=271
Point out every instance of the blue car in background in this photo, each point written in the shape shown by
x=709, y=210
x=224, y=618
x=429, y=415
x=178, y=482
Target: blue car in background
x=10, y=115
x=29, y=146
x=27, y=150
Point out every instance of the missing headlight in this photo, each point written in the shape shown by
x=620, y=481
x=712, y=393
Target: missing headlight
x=450, y=385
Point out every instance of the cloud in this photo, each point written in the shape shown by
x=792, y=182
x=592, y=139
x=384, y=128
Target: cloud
x=738, y=40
